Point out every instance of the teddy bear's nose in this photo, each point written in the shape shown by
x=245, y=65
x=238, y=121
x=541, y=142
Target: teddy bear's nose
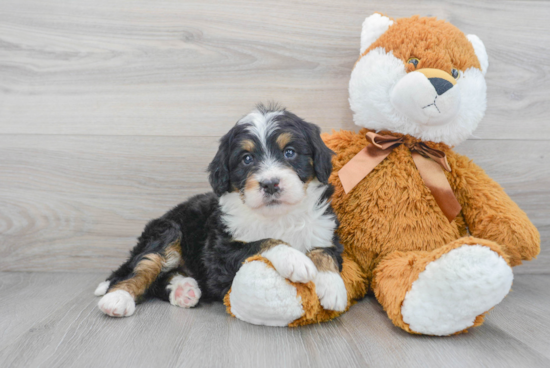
x=441, y=85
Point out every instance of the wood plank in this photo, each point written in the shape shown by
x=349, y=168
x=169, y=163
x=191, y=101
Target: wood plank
x=77, y=334
x=78, y=202
x=193, y=67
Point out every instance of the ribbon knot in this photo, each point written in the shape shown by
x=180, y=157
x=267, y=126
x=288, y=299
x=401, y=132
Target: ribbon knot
x=430, y=163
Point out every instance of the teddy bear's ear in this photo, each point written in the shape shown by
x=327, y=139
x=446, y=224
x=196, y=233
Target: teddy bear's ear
x=480, y=51
x=374, y=26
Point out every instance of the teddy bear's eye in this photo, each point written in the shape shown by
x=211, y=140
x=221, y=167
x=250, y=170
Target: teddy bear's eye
x=413, y=61
x=455, y=73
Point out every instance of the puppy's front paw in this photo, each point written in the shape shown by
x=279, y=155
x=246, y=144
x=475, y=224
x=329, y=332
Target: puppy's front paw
x=118, y=303
x=291, y=263
x=331, y=291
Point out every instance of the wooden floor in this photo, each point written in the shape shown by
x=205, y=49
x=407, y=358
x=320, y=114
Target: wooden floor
x=51, y=320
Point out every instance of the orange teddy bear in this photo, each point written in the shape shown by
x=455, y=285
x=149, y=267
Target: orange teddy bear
x=423, y=227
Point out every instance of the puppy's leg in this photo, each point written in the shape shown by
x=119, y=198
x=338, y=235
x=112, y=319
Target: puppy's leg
x=122, y=273
x=157, y=252
x=329, y=285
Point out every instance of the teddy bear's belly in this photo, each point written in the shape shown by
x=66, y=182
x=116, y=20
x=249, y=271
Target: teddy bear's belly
x=392, y=210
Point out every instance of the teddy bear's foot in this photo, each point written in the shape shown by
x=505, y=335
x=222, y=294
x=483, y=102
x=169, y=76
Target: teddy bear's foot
x=259, y=295
x=456, y=288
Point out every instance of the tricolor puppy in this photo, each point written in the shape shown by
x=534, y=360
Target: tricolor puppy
x=271, y=197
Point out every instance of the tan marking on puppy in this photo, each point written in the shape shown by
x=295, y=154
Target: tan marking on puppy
x=310, y=179
x=270, y=243
x=172, y=256
x=145, y=272
x=323, y=261
x=284, y=139
x=251, y=183
x=248, y=145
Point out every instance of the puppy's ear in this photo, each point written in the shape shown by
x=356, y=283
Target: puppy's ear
x=322, y=155
x=219, y=167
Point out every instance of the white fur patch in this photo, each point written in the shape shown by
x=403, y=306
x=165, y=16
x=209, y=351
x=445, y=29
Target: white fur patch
x=184, y=291
x=331, y=291
x=415, y=97
x=291, y=263
x=377, y=74
x=374, y=26
x=259, y=295
x=101, y=288
x=261, y=125
x=481, y=53
x=304, y=225
x=118, y=303
x=454, y=289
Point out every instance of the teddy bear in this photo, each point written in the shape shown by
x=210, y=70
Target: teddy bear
x=424, y=229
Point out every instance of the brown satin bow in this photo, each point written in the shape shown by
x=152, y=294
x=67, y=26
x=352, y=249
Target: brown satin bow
x=428, y=161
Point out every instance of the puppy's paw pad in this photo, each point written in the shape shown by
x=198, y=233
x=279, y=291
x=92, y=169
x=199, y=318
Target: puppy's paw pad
x=101, y=288
x=331, y=291
x=184, y=292
x=118, y=303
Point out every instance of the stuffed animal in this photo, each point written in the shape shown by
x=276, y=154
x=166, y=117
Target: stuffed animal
x=424, y=228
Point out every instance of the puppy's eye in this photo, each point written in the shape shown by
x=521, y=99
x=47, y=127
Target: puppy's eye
x=413, y=61
x=290, y=153
x=248, y=159
x=455, y=73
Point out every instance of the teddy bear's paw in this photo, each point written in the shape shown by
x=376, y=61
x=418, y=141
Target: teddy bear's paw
x=261, y=296
x=331, y=291
x=117, y=303
x=454, y=289
x=184, y=292
x=291, y=263
x=102, y=288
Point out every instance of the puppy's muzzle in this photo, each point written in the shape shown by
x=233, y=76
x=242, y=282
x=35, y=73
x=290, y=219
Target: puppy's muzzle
x=270, y=186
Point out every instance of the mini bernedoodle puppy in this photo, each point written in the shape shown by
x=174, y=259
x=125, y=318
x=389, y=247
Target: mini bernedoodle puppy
x=271, y=197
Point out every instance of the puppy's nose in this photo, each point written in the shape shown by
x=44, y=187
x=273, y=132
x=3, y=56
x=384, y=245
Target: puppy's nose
x=441, y=85
x=270, y=186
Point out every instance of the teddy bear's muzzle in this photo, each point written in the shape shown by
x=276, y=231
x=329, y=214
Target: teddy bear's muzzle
x=427, y=97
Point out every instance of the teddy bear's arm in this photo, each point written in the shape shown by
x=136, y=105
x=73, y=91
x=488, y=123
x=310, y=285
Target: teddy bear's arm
x=491, y=214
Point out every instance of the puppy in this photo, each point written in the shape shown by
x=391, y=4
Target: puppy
x=271, y=197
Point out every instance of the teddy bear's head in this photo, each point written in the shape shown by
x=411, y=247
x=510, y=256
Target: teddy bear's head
x=419, y=76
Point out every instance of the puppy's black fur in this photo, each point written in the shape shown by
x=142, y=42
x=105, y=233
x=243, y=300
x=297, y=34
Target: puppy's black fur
x=208, y=251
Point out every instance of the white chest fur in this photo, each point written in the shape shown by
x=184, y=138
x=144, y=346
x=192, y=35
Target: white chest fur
x=304, y=227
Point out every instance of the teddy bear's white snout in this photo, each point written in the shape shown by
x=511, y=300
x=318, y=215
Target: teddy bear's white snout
x=426, y=100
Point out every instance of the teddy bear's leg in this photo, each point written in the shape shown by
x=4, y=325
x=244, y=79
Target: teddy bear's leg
x=259, y=295
x=444, y=291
